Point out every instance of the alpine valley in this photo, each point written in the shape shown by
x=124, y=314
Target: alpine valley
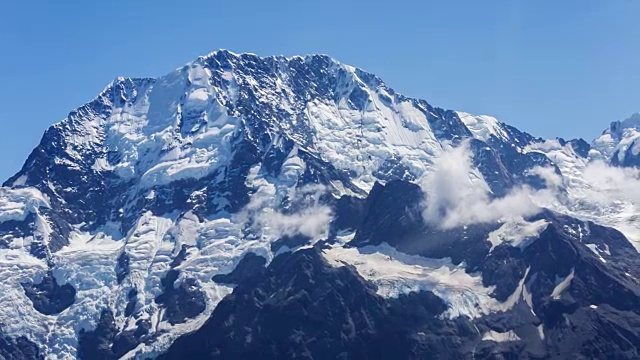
x=246, y=207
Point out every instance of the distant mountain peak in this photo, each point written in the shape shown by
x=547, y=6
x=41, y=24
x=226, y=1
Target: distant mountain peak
x=632, y=121
x=620, y=143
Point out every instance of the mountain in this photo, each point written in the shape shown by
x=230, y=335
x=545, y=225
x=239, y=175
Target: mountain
x=621, y=142
x=271, y=207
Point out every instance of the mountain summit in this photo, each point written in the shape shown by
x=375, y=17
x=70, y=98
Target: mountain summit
x=272, y=207
x=620, y=144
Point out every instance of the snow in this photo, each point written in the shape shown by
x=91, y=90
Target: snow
x=362, y=141
x=88, y=266
x=605, y=145
x=629, y=139
x=562, y=285
x=20, y=181
x=621, y=136
x=16, y=267
x=142, y=130
x=594, y=248
x=16, y=204
x=198, y=95
x=591, y=190
x=292, y=168
x=496, y=336
x=517, y=233
x=181, y=126
x=396, y=273
x=142, y=134
x=541, y=331
x=520, y=293
x=89, y=263
x=482, y=126
x=101, y=164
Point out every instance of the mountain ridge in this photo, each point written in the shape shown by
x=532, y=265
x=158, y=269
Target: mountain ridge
x=145, y=204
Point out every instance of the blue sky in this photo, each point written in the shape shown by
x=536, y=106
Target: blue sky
x=552, y=68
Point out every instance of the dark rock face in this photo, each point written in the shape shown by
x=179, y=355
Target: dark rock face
x=16, y=229
x=182, y=255
x=598, y=294
x=446, y=123
x=290, y=242
x=348, y=213
x=131, y=303
x=19, y=348
x=393, y=169
x=299, y=306
x=12, y=229
x=629, y=159
x=514, y=160
x=183, y=301
x=106, y=342
x=393, y=214
x=319, y=171
x=48, y=297
x=97, y=344
x=86, y=200
x=602, y=333
x=250, y=268
x=122, y=267
x=580, y=147
x=129, y=339
x=490, y=164
x=303, y=307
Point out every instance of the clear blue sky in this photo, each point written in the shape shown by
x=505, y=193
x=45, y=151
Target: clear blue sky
x=553, y=68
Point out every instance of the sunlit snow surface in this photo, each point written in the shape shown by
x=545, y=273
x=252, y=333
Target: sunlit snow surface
x=396, y=273
x=517, y=233
x=142, y=131
x=590, y=189
x=496, y=336
x=482, y=126
x=16, y=204
x=89, y=262
x=179, y=127
x=622, y=138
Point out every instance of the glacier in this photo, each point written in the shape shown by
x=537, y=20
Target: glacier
x=139, y=198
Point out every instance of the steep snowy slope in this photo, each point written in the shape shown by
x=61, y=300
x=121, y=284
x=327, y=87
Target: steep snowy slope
x=237, y=186
x=620, y=144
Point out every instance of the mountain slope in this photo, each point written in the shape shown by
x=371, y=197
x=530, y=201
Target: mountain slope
x=621, y=142
x=209, y=202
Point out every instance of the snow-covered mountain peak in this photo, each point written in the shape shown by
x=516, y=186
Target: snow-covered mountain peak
x=620, y=143
x=631, y=122
x=138, y=128
x=143, y=209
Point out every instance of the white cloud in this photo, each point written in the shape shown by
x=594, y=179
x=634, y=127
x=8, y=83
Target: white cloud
x=551, y=179
x=456, y=194
x=312, y=220
x=608, y=184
